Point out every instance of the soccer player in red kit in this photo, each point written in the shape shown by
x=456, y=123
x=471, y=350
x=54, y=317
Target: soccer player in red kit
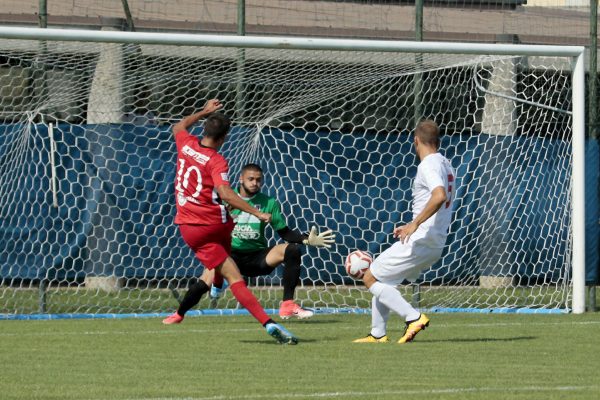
x=201, y=187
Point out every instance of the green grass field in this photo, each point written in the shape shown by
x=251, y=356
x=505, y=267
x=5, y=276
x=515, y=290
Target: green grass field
x=460, y=356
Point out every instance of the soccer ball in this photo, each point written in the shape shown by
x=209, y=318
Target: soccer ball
x=357, y=263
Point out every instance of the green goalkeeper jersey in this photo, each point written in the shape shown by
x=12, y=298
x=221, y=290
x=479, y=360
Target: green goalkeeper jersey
x=249, y=231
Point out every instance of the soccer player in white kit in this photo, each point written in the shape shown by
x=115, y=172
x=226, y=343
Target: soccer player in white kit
x=420, y=242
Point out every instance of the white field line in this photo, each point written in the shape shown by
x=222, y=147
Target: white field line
x=379, y=393
x=171, y=331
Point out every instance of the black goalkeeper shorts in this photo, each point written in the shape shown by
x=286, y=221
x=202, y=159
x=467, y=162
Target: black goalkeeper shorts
x=253, y=263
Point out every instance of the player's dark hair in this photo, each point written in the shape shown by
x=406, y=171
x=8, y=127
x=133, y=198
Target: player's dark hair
x=428, y=133
x=216, y=126
x=252, y=167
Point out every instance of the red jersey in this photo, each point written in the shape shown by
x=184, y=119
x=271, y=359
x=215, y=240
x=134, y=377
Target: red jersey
x=199, y=170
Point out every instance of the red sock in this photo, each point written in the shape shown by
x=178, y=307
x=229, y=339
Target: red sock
x=247, y=299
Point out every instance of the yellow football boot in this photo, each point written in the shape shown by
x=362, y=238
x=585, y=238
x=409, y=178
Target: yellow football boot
x=372, y=339
x=414, y=327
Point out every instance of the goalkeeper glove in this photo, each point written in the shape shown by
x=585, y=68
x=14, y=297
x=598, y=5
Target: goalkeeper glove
x=323, y=239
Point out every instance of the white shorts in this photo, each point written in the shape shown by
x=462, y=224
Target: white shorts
x=404, y=261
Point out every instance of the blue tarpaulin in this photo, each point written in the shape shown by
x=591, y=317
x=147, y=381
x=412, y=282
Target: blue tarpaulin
x=116, y=203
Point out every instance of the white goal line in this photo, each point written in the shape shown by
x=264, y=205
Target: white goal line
x=379, y=393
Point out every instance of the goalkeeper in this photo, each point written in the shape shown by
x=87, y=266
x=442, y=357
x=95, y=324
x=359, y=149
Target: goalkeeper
x=249, y=245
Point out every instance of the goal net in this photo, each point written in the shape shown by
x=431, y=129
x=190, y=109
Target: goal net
x=87, y=169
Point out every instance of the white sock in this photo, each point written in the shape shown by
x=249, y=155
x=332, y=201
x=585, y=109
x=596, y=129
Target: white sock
x=379, y=317
x=393, y=300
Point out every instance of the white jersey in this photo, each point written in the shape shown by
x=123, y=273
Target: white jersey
x=405, y=261
x=433, y=171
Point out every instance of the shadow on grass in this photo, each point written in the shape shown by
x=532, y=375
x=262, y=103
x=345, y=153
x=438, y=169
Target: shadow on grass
x=424, y=341
x=274, y=342
x=310, y=321
x=468, y=340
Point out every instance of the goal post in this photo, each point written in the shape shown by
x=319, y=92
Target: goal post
x=330, y=122
x=578, y=183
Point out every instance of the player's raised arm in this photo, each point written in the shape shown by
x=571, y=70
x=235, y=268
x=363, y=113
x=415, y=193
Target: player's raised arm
x=210, y=107
x=438, y=198
x=227, y=194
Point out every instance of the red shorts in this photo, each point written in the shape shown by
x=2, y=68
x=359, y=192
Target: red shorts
x=210, y=243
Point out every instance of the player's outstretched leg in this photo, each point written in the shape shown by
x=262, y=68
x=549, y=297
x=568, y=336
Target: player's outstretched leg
x=291, y=276
x=250, y=303
x=414, y=327
x=245, y=297
x=282, y=335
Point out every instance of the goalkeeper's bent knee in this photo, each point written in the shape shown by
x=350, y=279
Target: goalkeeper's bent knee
x=293, y=252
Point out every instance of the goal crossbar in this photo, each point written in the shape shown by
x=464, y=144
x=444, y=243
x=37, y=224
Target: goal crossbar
x=275, y=42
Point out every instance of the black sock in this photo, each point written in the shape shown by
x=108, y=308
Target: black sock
x=291, y=271
x=192, y=297
x=269, y=321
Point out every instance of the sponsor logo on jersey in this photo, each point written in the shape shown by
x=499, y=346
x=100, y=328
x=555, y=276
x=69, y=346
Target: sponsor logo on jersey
x=198, y=157
x=245, y=232
x=182, y=199
x=224, y=176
